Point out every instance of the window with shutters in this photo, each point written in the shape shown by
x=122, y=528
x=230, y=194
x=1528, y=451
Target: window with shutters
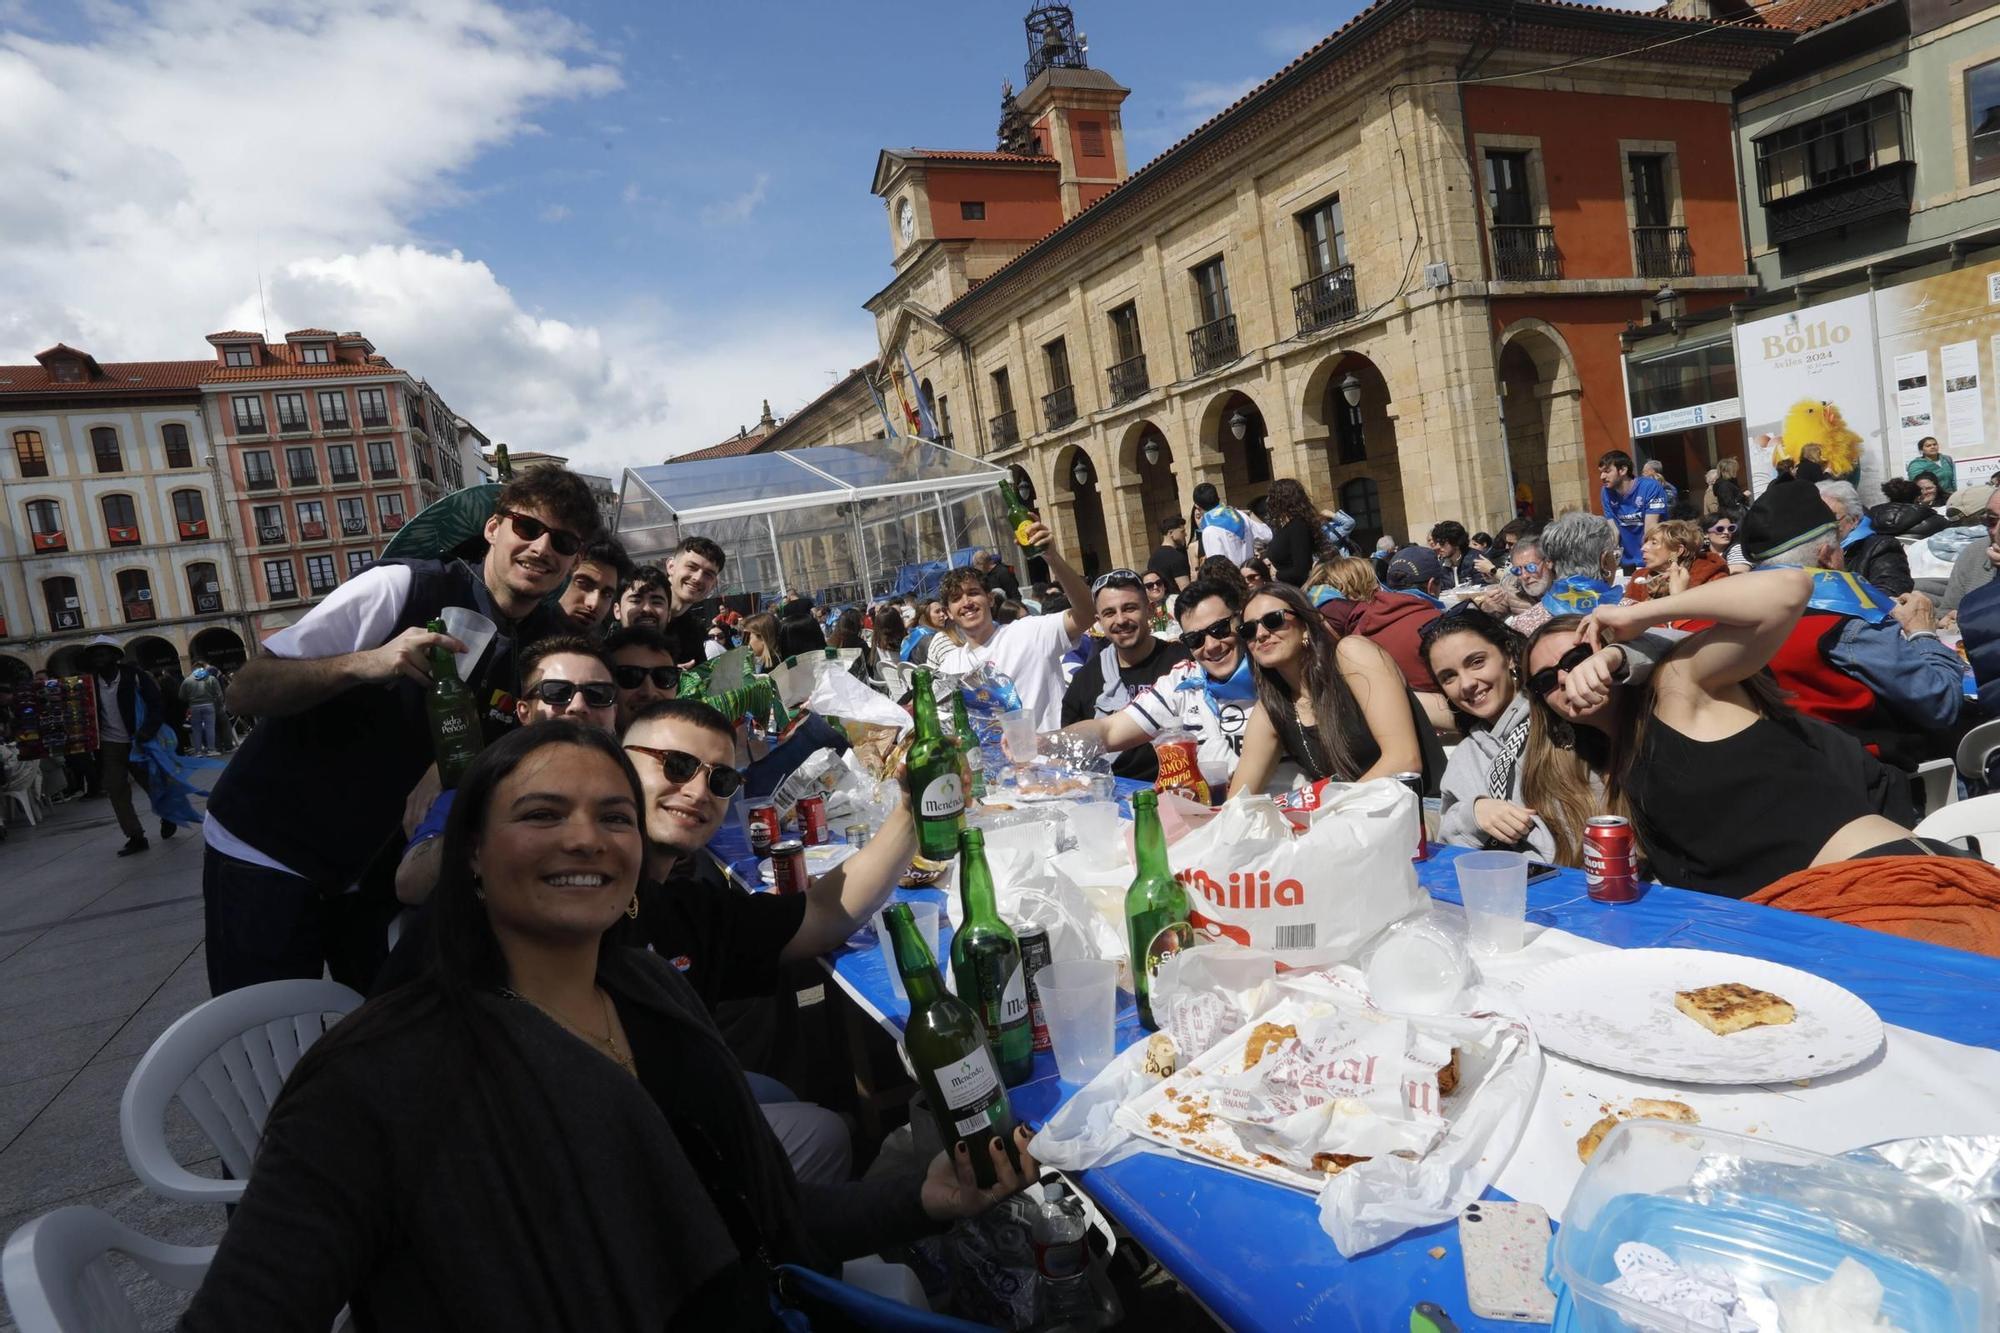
x=1090, y=135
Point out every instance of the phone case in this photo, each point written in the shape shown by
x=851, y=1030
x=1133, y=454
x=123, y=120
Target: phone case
x=1506, y=1250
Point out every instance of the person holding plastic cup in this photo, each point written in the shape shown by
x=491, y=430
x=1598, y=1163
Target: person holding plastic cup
x=1027, y=651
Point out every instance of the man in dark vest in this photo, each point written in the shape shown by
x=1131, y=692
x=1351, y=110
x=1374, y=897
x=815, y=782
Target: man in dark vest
x=318, y=788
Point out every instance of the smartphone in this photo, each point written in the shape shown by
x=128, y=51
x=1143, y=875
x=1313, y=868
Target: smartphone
x=1506, y=1251
x=1539, y=871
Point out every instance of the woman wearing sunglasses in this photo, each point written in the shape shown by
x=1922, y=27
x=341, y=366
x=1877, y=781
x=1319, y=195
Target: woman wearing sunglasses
x=1336, y=707
x=1727, y=788
x=1719, y=530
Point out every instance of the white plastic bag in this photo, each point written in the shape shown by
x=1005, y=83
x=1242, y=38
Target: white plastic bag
x=1081, y=1134
x=837, y=693
x=1314, y=895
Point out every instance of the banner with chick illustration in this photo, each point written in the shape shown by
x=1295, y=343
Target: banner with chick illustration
x=1810, y=389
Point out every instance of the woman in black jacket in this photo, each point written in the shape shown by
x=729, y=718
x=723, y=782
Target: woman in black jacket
x=1294, y=545
x=541, y=1132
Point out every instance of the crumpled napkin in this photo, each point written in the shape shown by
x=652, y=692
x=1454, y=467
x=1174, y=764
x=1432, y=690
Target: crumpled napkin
x=1848, y=1302
x=1702, y=1294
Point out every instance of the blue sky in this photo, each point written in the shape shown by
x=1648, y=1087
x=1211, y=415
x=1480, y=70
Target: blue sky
x=601, y=228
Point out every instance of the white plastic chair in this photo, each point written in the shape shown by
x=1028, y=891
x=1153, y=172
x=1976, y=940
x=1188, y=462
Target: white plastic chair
x=59, y=1278
x=1977, y=818
x=225, y=1060
x=1940, y=783
x=24, y=787
x=1975, y=748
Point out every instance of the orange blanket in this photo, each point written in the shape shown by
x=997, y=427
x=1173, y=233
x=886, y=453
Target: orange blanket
x=1934, y=898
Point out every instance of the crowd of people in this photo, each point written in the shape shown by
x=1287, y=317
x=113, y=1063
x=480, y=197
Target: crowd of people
x=1748, y=686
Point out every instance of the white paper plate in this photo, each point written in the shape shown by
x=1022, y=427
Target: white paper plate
x=1615, y=1010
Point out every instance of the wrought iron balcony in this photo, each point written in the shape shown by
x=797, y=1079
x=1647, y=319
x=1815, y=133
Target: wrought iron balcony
x=305, y=476
x=374, y=420
x=263, y=481
x=1663, y=252
x=343, y=477
x=1526, y=254
x=335, y=425
x=1327, y=299
x=1213, y=345
x=320, y=589
x=1004, y=430
x=1128, y=379
x=1059, y=407
x=382, y=472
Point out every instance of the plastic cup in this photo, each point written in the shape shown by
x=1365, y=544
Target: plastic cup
x=1079, y=1002
x=1017, y=735
x=1494, y=889
x=471, y=629
x=926, y=915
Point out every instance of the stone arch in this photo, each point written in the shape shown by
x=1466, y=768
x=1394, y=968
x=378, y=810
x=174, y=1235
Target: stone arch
x=152, y=651
x=67, y=660
x=220, y=646
x=1151, y=489
x=1081, y=505
x=1540, y=401
x=1246, y=463
x=13, y=671
x=1358, y=456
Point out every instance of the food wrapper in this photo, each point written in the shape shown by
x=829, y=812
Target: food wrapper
x=1965, y=1167
x=835, y=693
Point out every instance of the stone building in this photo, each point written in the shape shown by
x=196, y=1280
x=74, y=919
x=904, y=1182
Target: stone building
x=1396, y=270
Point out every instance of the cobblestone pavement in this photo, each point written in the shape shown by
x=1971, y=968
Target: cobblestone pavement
x=98, y=955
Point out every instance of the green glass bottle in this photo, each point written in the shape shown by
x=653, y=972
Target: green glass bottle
x=947, y=1047
x=937, y=793
x=1156, y=906
x=968, y=748
x=986, y=964
x=456, y=737
x=1020, y=518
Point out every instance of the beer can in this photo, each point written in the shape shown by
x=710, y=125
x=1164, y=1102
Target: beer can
x=763, y=825
x=856, y=835
x=1610, y=860
x=1415, y=782
x=812, y=820
x=1035, y=955
x=788, y=866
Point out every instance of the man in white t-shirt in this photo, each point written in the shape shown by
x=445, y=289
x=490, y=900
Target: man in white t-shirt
x=1225, y=531
x=1029, y=651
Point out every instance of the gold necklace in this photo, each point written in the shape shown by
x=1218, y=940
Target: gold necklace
x=608, y=1042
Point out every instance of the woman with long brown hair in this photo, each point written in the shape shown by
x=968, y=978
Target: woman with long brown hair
x=1336, y=707
x=1294, y=532
x=760, y=635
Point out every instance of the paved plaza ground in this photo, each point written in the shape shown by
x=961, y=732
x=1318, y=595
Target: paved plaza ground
x=98, y=955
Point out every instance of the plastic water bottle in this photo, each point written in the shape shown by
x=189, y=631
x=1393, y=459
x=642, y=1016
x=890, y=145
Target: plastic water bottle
x=1066, y=1299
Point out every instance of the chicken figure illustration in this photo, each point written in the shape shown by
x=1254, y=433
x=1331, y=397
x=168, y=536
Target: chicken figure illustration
x=1812, y=421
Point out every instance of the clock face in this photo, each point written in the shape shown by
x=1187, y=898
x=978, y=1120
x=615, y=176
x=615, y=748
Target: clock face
x=906, y=221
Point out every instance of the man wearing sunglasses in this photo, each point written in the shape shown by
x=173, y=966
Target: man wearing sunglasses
x=1131, y=658
x=1974, y=566
x=643, y=669
x=317, y=790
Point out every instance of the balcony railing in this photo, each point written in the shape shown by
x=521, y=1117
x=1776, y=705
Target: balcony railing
x=307, y=477
x=1663, y=252
x=1213, y=344
x=343, y=477
x=285, y=594
x=270, y=536
x=294, y=426
x=320, y=589
x=373, y=420
x=335, y=426
x=267, y=481
x=1327, y=299
x=354, y=527
x=1128, y=379
x=137, y=610
x=1526, y=254
x=382, y=471
x=1059, y=407
x=1004, y=430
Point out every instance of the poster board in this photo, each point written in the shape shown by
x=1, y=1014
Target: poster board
x=1811, y=377
x=1940, y=356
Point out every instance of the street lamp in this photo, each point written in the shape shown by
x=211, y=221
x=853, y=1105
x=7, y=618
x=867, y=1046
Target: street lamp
x=1150, y=451
x=1350, y=388
x=1080, y=474
x=1239, y=424
x=1668, y=302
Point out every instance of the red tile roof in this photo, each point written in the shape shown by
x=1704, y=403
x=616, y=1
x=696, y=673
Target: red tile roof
x=734, y=447
x=973, y=155
x=1805, y=15
x=233, y=335
x=295, y=370
x=118, y=377
x=312, y=333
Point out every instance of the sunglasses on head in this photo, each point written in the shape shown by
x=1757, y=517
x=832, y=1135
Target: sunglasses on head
x=681, y=767
x=632, y=677
x=530, y=529
x=1271, y=621
x=558, y=693
x=1219, y=632
x=1104, y=581
x=1545, y=682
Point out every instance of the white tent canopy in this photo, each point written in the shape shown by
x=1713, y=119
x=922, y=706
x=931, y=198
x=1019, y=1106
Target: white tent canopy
x=843, y=522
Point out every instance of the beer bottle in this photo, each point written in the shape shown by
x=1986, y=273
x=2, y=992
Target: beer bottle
x=455, y=734
x=968, y=748
x=1020, y=518
x=937, y=796
x=1156, y=906
x=947, y=1048
x=986, y=964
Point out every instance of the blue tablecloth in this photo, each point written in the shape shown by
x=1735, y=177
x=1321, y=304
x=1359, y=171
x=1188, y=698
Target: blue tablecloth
x=1254, y=1254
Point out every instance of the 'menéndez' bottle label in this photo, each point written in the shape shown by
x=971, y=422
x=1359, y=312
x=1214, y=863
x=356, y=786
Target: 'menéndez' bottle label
x=971, y=1089
x=943, y=798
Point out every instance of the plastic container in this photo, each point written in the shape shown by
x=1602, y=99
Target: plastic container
x=1419, y=966
x=1768, y=1213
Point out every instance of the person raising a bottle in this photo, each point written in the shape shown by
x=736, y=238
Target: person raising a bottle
x=1027, y=651
x=310, y=804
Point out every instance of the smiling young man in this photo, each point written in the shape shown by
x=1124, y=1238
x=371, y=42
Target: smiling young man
x=1133, y=657
x=318, y=788
x=643, y=599
x=732, y=945
x=593, y=587
x=693, y=572
x=1028, y=650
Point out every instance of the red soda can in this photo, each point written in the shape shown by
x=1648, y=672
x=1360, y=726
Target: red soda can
x=1035, y=955
x=812, y=820
x=1415, y=782
x=763, y=824
x=1610, y=860
x=788, y=866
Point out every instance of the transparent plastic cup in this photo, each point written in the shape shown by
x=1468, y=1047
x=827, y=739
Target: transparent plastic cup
x=1079, y=1003
x=1017, y=736
x=471, y=629
x=926, y=915
x=1494, y=889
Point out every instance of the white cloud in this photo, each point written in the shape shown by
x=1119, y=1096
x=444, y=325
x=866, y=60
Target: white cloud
x=738, y=208
x=554, y=213
x=1209, y=98
x=150, y=172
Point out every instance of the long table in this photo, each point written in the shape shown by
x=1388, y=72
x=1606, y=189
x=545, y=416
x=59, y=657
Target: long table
x=1253, y=1253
